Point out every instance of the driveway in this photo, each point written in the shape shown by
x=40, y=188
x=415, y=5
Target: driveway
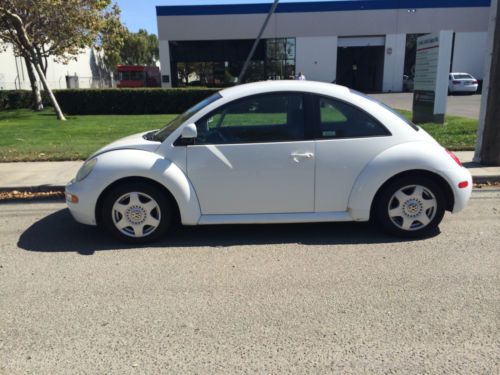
x=278, y=299
x=458, y=105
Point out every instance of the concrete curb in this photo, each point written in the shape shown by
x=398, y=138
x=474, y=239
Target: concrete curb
x=33, y=189
x=60, y=188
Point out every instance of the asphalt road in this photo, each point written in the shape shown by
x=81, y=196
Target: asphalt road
x=276, y=299
x=457, y=105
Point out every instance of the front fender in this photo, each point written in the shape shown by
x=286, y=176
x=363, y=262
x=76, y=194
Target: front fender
x=118, y=164
x=392, y=161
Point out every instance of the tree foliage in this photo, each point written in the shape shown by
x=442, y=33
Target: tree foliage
x=59, y=29
x=139, y=48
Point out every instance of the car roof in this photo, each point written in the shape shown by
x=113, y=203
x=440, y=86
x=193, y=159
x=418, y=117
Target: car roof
x=284, y=85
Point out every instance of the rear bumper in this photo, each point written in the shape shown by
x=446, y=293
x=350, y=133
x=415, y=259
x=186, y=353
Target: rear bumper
x=471, y=88
x=461, y=195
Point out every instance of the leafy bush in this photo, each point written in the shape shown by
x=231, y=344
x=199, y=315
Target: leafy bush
x=129, y=101
x=113, y=101
x=15, y=99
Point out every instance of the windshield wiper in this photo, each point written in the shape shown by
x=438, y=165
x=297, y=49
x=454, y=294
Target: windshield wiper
x=151, y=136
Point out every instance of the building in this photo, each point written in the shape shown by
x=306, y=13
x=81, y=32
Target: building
x=364, y=44
x=85, y=71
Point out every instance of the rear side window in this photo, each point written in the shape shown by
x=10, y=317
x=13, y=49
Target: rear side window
x=408, y=122
x=338, y=119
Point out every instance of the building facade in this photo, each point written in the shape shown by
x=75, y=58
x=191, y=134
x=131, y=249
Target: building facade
x=364, y=44
x=85, y=71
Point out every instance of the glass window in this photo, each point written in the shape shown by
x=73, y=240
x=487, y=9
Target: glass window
x=462, y=76
x=408, y=122
x=261, y=118
x=163, y=133
x=342, y=120
x=124, y=76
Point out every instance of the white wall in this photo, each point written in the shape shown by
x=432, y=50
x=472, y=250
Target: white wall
x=13, y=74
x=394, y=62
x=316, y=57
x=165, y=62
x=469, y=52
x=443, y=67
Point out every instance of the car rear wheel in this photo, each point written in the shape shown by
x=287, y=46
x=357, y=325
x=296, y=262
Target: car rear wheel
x=411, y=207
x=137, y=212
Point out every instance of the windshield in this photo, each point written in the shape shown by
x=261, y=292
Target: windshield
x=462, y=76
x=163, y=133
x=415, y=127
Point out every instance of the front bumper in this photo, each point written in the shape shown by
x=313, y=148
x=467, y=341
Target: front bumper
x=84, y=210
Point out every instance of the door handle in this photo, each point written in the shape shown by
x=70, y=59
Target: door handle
x=296, y=156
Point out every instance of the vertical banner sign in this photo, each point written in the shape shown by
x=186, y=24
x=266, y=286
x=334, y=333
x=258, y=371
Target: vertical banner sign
x=431, y=77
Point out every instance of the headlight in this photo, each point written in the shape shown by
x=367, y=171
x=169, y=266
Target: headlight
x=86, y=169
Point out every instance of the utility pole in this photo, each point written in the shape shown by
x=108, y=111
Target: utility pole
x=255, y=44
x=488, y=133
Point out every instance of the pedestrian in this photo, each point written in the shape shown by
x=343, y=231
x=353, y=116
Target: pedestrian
x=301, y=76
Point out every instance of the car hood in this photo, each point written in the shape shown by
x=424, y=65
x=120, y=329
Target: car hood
x=132, y=142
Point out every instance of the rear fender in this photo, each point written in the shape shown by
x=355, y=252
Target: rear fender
x=404, y=157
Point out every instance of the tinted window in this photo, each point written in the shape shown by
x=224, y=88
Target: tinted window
x=408, y=122
x=163, y=133
x=259, y=118
x=462, y=76
x=342, y=120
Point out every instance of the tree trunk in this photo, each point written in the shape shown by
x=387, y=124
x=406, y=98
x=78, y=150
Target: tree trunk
x=37, y=97
x=490, y=150
x=28, y=50
x=46, y=87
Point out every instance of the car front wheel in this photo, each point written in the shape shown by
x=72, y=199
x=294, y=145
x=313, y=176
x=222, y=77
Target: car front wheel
x=411, y=207
x=137, y=212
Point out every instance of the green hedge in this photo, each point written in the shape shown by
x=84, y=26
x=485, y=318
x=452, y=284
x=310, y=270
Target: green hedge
x=14, y=99
x=114, y=101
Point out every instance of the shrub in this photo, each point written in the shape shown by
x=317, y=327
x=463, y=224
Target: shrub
x=14, y=99
x=113, y=101
x=129, y=101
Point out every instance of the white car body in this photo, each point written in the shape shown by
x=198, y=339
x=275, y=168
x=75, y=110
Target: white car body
x=462, y=83
x=277, y=182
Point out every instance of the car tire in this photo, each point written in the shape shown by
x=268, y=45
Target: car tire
x=410, y=207
x=137, y=212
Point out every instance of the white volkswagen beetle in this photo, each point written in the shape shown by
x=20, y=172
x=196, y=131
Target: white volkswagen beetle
x=272, y=152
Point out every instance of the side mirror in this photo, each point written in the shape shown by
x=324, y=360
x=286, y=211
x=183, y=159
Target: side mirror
x=189, y=132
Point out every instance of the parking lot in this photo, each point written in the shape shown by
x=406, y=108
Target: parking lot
x=316, y=298
x=457, y=105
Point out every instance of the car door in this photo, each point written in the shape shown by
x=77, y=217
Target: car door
x=347, y=139
x=253, y=156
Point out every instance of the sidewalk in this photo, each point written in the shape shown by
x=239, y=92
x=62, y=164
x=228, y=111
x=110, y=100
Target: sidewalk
x=43, y=176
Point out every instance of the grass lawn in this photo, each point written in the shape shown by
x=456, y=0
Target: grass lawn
x=30, y=136
x=457, y=133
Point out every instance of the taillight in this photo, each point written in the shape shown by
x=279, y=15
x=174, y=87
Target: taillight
x=456, y=82
x=454, y=157
x=474, y=82
x=463, y=184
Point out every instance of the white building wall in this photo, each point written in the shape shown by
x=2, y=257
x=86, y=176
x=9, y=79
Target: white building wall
x=394, y=62
x=316, y=57
x=469, y=52
x=165, y=63
x=13, y=74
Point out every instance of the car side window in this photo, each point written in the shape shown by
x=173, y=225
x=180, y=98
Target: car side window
x=261, y=118
x=338, y=119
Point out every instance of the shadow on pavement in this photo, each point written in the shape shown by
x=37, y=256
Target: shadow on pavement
x=58, y=232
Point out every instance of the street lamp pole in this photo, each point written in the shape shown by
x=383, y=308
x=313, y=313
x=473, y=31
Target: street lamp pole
x=255, y=44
